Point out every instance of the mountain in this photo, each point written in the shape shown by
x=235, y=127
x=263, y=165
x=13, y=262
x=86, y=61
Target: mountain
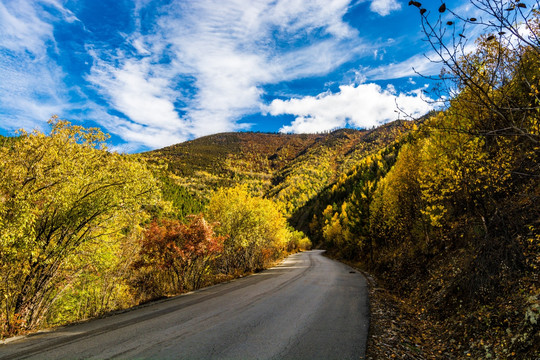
x=289, y=168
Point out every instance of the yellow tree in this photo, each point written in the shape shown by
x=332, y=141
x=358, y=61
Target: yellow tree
x=399, y=200
x=255, y=228
x=59, y=192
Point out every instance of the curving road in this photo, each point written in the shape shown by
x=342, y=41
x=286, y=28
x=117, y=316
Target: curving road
x=308, y=307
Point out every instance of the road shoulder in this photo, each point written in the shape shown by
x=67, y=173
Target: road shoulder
x=391, y=328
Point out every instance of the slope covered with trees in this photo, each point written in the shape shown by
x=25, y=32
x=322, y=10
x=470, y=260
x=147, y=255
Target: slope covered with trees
x=288, y=168
x=205, y=164
x=448, y=216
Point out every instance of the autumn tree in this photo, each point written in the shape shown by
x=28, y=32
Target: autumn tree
x=298, y=241
x=58, y=194
x=492, y=107
x=96, y=279
x=500, y=76
x=175, y=257
x=255, y=229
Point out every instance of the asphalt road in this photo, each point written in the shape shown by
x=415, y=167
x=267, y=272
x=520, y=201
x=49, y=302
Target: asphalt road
x=308, y=307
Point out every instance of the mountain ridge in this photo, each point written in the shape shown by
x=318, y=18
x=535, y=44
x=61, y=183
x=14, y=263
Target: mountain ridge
x=290, y=168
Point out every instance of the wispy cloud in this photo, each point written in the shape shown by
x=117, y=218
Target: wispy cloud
x=425, y=65
x=228, y=52
x=384, y=7
x=32, y=87
x=138, y=91
x=22, y=29
x=361, y=106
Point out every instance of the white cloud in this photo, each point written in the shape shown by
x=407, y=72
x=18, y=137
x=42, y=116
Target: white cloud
x=361, y=106
x=32, y=87
x=228, y=51
x=417, y=64
x=301, y=15
x=384, y=7
x=153, y=137
x=30, y=93
x=23, y=29
x=144, y=98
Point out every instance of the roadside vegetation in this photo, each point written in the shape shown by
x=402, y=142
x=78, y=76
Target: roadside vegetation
x=84, y=231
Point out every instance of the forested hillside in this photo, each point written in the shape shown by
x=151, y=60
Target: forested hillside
x=207, y=163
x=447, y=217
x=288, y=168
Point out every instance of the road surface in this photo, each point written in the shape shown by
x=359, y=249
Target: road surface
x=308, y=307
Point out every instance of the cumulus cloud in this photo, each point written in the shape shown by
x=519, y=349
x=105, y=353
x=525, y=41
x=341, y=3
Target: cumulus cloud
x=360, y=106
x=384, y=7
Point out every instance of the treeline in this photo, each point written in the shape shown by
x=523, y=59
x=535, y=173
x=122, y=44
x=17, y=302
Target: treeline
x=84, y=231
x=448, y=216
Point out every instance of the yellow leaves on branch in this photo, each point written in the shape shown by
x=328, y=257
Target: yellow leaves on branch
x=61, y=193
x=256, y=230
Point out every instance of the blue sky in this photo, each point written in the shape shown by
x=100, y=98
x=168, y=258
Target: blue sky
x=155, y=73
